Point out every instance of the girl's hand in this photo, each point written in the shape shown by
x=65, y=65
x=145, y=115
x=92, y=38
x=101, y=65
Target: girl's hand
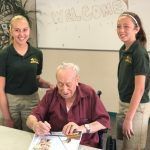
x=9, y=123
x=127, y=128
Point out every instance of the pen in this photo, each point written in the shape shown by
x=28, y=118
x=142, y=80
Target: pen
x=50, y=132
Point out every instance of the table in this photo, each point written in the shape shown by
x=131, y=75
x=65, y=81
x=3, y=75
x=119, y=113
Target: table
x=13, y=139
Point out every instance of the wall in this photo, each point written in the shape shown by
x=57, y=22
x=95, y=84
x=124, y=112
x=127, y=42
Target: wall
x=77, y=24
x=30, y=7
x=97, y=68
x=74, y=23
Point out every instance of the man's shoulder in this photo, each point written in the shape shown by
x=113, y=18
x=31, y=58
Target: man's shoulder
x=86, y=89
x=85, y=86
x=49, y=91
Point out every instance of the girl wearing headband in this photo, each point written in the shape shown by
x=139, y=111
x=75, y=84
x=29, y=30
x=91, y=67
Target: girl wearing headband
x=133, y=83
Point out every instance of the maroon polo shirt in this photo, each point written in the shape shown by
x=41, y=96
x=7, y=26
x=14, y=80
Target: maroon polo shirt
x=86, y=108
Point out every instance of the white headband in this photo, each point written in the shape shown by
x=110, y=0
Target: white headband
x=132, y=18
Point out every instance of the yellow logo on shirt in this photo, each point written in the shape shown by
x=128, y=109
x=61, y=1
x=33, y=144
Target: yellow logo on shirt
x=34, y=61
x=128, y=59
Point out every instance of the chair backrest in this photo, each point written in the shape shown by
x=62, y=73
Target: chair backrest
x=102, y=131
x=99, y=92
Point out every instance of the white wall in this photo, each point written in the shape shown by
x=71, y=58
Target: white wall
x=76, y=24
x=97, y=68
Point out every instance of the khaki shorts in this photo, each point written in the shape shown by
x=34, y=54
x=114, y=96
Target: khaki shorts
x=20, y=107
x=140, y=126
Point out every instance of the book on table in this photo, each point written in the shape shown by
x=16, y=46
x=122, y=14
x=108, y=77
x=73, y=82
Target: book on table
x=56, y=141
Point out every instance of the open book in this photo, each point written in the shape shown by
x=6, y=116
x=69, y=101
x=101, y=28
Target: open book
x=56, y=141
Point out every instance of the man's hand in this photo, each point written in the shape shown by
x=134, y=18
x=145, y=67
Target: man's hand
x=41, y=128
x=70, y=128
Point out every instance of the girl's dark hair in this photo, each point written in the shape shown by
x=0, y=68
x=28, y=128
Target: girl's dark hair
x=140, y=36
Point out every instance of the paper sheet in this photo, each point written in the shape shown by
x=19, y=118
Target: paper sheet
x=56, y=141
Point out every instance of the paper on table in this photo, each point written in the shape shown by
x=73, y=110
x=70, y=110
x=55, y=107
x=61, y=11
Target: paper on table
x=56, y=141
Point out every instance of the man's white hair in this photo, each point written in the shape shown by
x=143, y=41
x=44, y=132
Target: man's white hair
x=72, y=66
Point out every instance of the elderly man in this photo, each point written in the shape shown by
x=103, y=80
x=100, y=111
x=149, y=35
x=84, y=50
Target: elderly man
x=70, y=106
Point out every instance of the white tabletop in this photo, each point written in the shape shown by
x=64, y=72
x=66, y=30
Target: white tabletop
x=12, y=139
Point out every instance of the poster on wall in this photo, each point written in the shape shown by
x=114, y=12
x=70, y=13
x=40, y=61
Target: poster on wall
x=86, y=24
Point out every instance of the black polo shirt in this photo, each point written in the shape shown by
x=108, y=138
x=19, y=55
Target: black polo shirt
x=134, y=61
x=20, y=71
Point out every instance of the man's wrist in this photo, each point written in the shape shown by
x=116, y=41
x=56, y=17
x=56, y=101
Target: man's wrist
x=87, y=127
x=34, y=125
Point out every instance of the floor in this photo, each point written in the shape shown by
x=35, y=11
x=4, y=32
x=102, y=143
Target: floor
x=119, y=142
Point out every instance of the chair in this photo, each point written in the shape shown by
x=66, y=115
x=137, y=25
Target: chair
x=100, y=134
x=102, y=131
